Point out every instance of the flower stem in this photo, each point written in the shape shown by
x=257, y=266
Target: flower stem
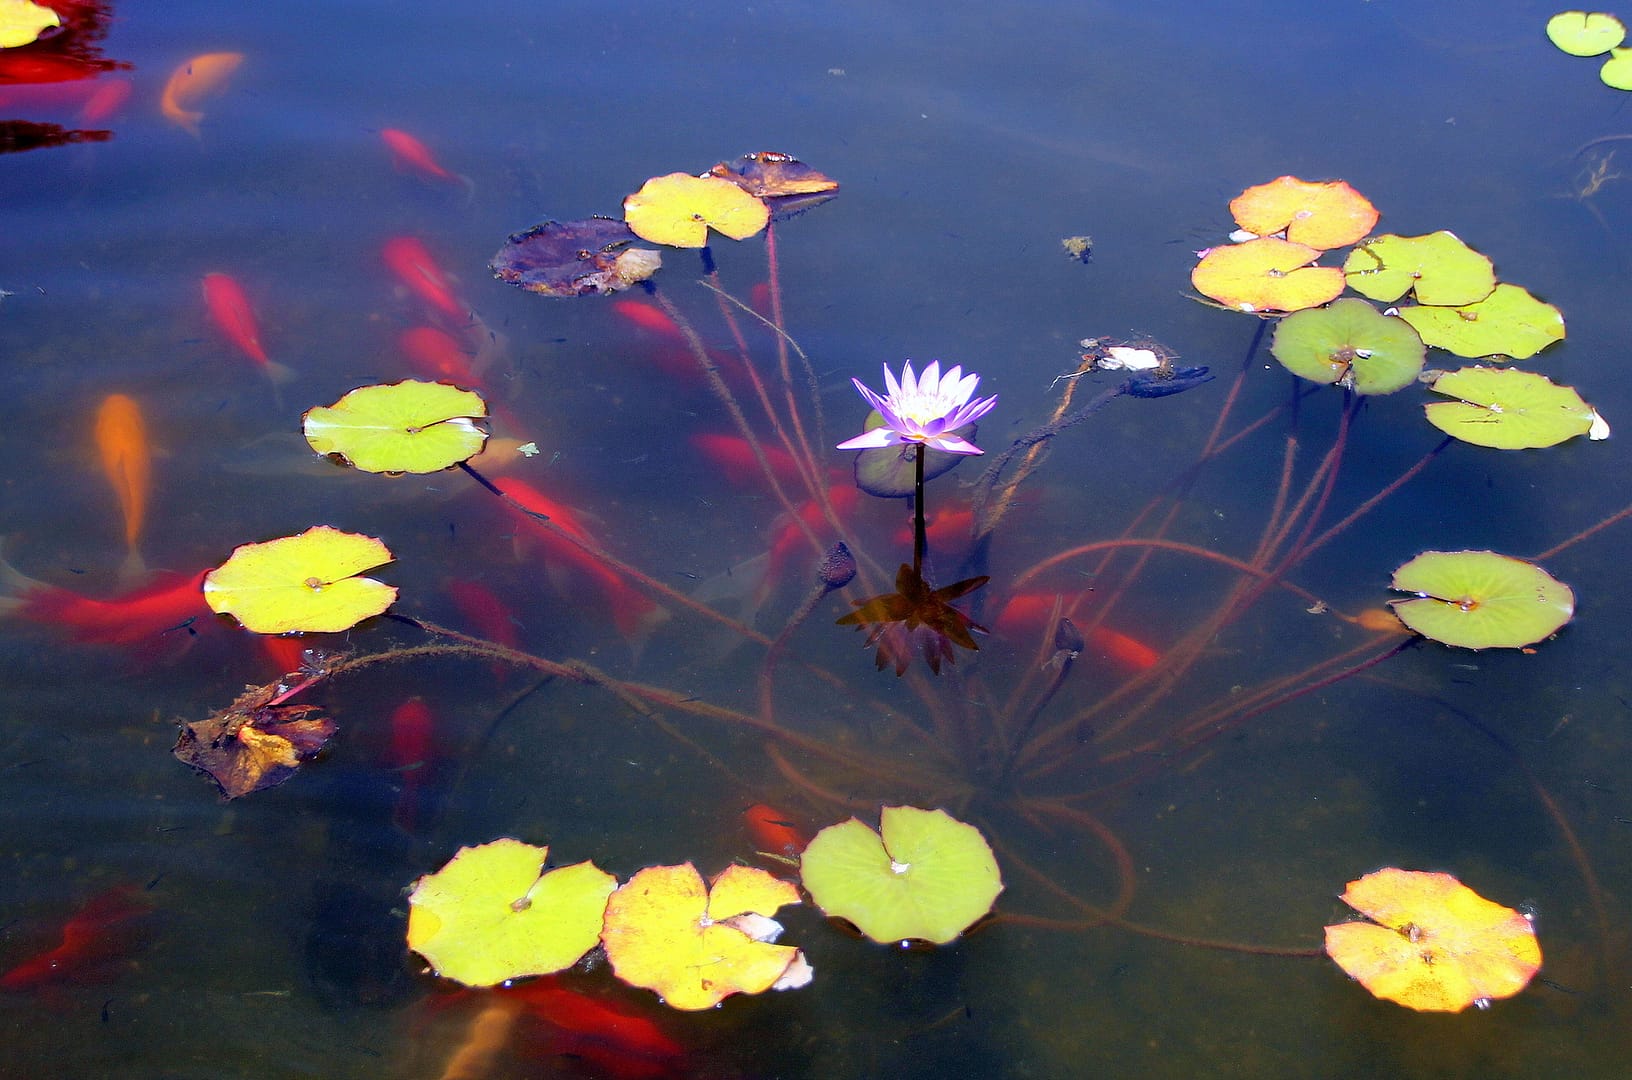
x=918, y=540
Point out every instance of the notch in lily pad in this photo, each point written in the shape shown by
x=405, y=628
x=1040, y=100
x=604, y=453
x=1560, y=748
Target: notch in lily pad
x=1481, y=600
x=924, y=876
x=1266, y=274
x=1511, y=410
x=593, y=257
x=1352, y=344
x=301, y=584
x=1437, y=268
x=406, y=427
x=1509, y=322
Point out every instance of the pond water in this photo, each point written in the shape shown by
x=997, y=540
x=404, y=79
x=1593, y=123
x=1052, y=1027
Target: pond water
x=1173, y=848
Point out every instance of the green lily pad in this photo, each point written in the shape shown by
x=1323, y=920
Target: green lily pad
x=1617, y=70
x=1350, y=343
x=1439, y=267
x=406, y=427
x=1508, y=322
x=927, y=878
x=1581, y=33
x=889, y=471
x=1508, y=409
x=1481, y=600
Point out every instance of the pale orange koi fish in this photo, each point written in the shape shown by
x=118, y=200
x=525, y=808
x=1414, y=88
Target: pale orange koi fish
x=193, y=81
x=127, y=460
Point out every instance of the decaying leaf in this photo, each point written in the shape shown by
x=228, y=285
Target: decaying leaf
x=258, y=741
x=593, y=257
x=787, y=185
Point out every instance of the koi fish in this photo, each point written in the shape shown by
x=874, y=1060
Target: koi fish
x=193, y=81
x=633, y=613
x=438, y=354
x=648, y=317
x=948, y=529
x=790, y=539
x=109, y=98
x=413, y=731
x=229, y=309
x=409, y=154
x=759, y=298
x=485, y=612
x=171, y=602
x=773, y=832
x=286, y=651
x=99, y=933
x=735, y=460
x=1026, y=613
x=617, y=1041
x=407, y=258
x=127, y=461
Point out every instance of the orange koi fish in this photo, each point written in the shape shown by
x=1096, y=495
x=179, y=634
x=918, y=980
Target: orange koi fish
x=127, y=461
x=171, y=602
x=1025, y=613
x=633, y=613
x=773, y=832
x=100, y=933
x=616, y=1040
x=411, y=155
x=407, y=258
x=648, y=317
x=438, y=354
x=735, y=460
x=193, y=81
x=229, y=309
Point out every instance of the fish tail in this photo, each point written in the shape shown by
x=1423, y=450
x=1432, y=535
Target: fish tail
x=14, y=584
x=133, y=571
x=468, y=184
x=280, y=373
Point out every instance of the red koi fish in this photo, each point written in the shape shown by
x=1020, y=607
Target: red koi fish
x=407, y=258
x=633, y=613
x=759, y=298
x=413, y=755
x=191, y=82
x=947, y=530
x=229, y=309
x=171, y=602
x=773, y=832
x=648, y=317
x=286, y=651
x=438, y=354
x=101, y=932
x=109, y=98
x=616, y=1040
x=127, y=460
x=735, y=460
x=790, y=541
x=411, y=155
x=1026, y=613
x=484, y=612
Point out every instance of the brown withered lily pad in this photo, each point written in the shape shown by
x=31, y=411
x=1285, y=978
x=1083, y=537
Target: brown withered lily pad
x=595, y=257
x=787, y=185
x=257, y=742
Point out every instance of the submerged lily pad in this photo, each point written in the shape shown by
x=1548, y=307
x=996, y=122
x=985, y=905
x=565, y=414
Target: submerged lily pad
x=1481, y=600
x=924, y=876
x=594, y=257
x=1508, y=322
x=1267, y=274
x=1582, y=33
x=1350, y=343
x=492, y=914
x=1439, y=268
x=1508, y=409
x=889, y=471
x=1323, y=215
x=406, y=427
x=1434, y=944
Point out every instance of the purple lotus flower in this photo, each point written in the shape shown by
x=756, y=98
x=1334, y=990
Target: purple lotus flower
x=924, y=410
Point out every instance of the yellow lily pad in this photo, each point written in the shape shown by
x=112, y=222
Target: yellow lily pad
x=1434, y=944
x=301, y=583
x=1481, y=600
x=22, y=22
x=1323, y=215
x=1617, y=70
x=667, y=932
x=1508, y=409
x=406, y=427
x=1582, y=33
x=1508, y=322
x=924, y=876
x=679, y=209
x=1267, y=274
x=492, y=914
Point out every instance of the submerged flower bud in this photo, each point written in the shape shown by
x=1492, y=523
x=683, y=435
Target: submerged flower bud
x=838, y=567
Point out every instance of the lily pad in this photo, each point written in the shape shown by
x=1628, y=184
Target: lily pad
x=406, y=427
x=22, y=22
x=890, y=471
x=666, y=931
x=301, y=584
x=594, y=257
x=924, y=876
x=1508, y=322
x=1323, y=215
x=1582, y=33
x=1267, y=274
x=1438, y=267
x=1508, y=409
x=1433, y=944
x=787, y=185
x=492, y=914
x=1617, y=70
x=679, y=209
x=1481, y=600
x=1352, y=344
